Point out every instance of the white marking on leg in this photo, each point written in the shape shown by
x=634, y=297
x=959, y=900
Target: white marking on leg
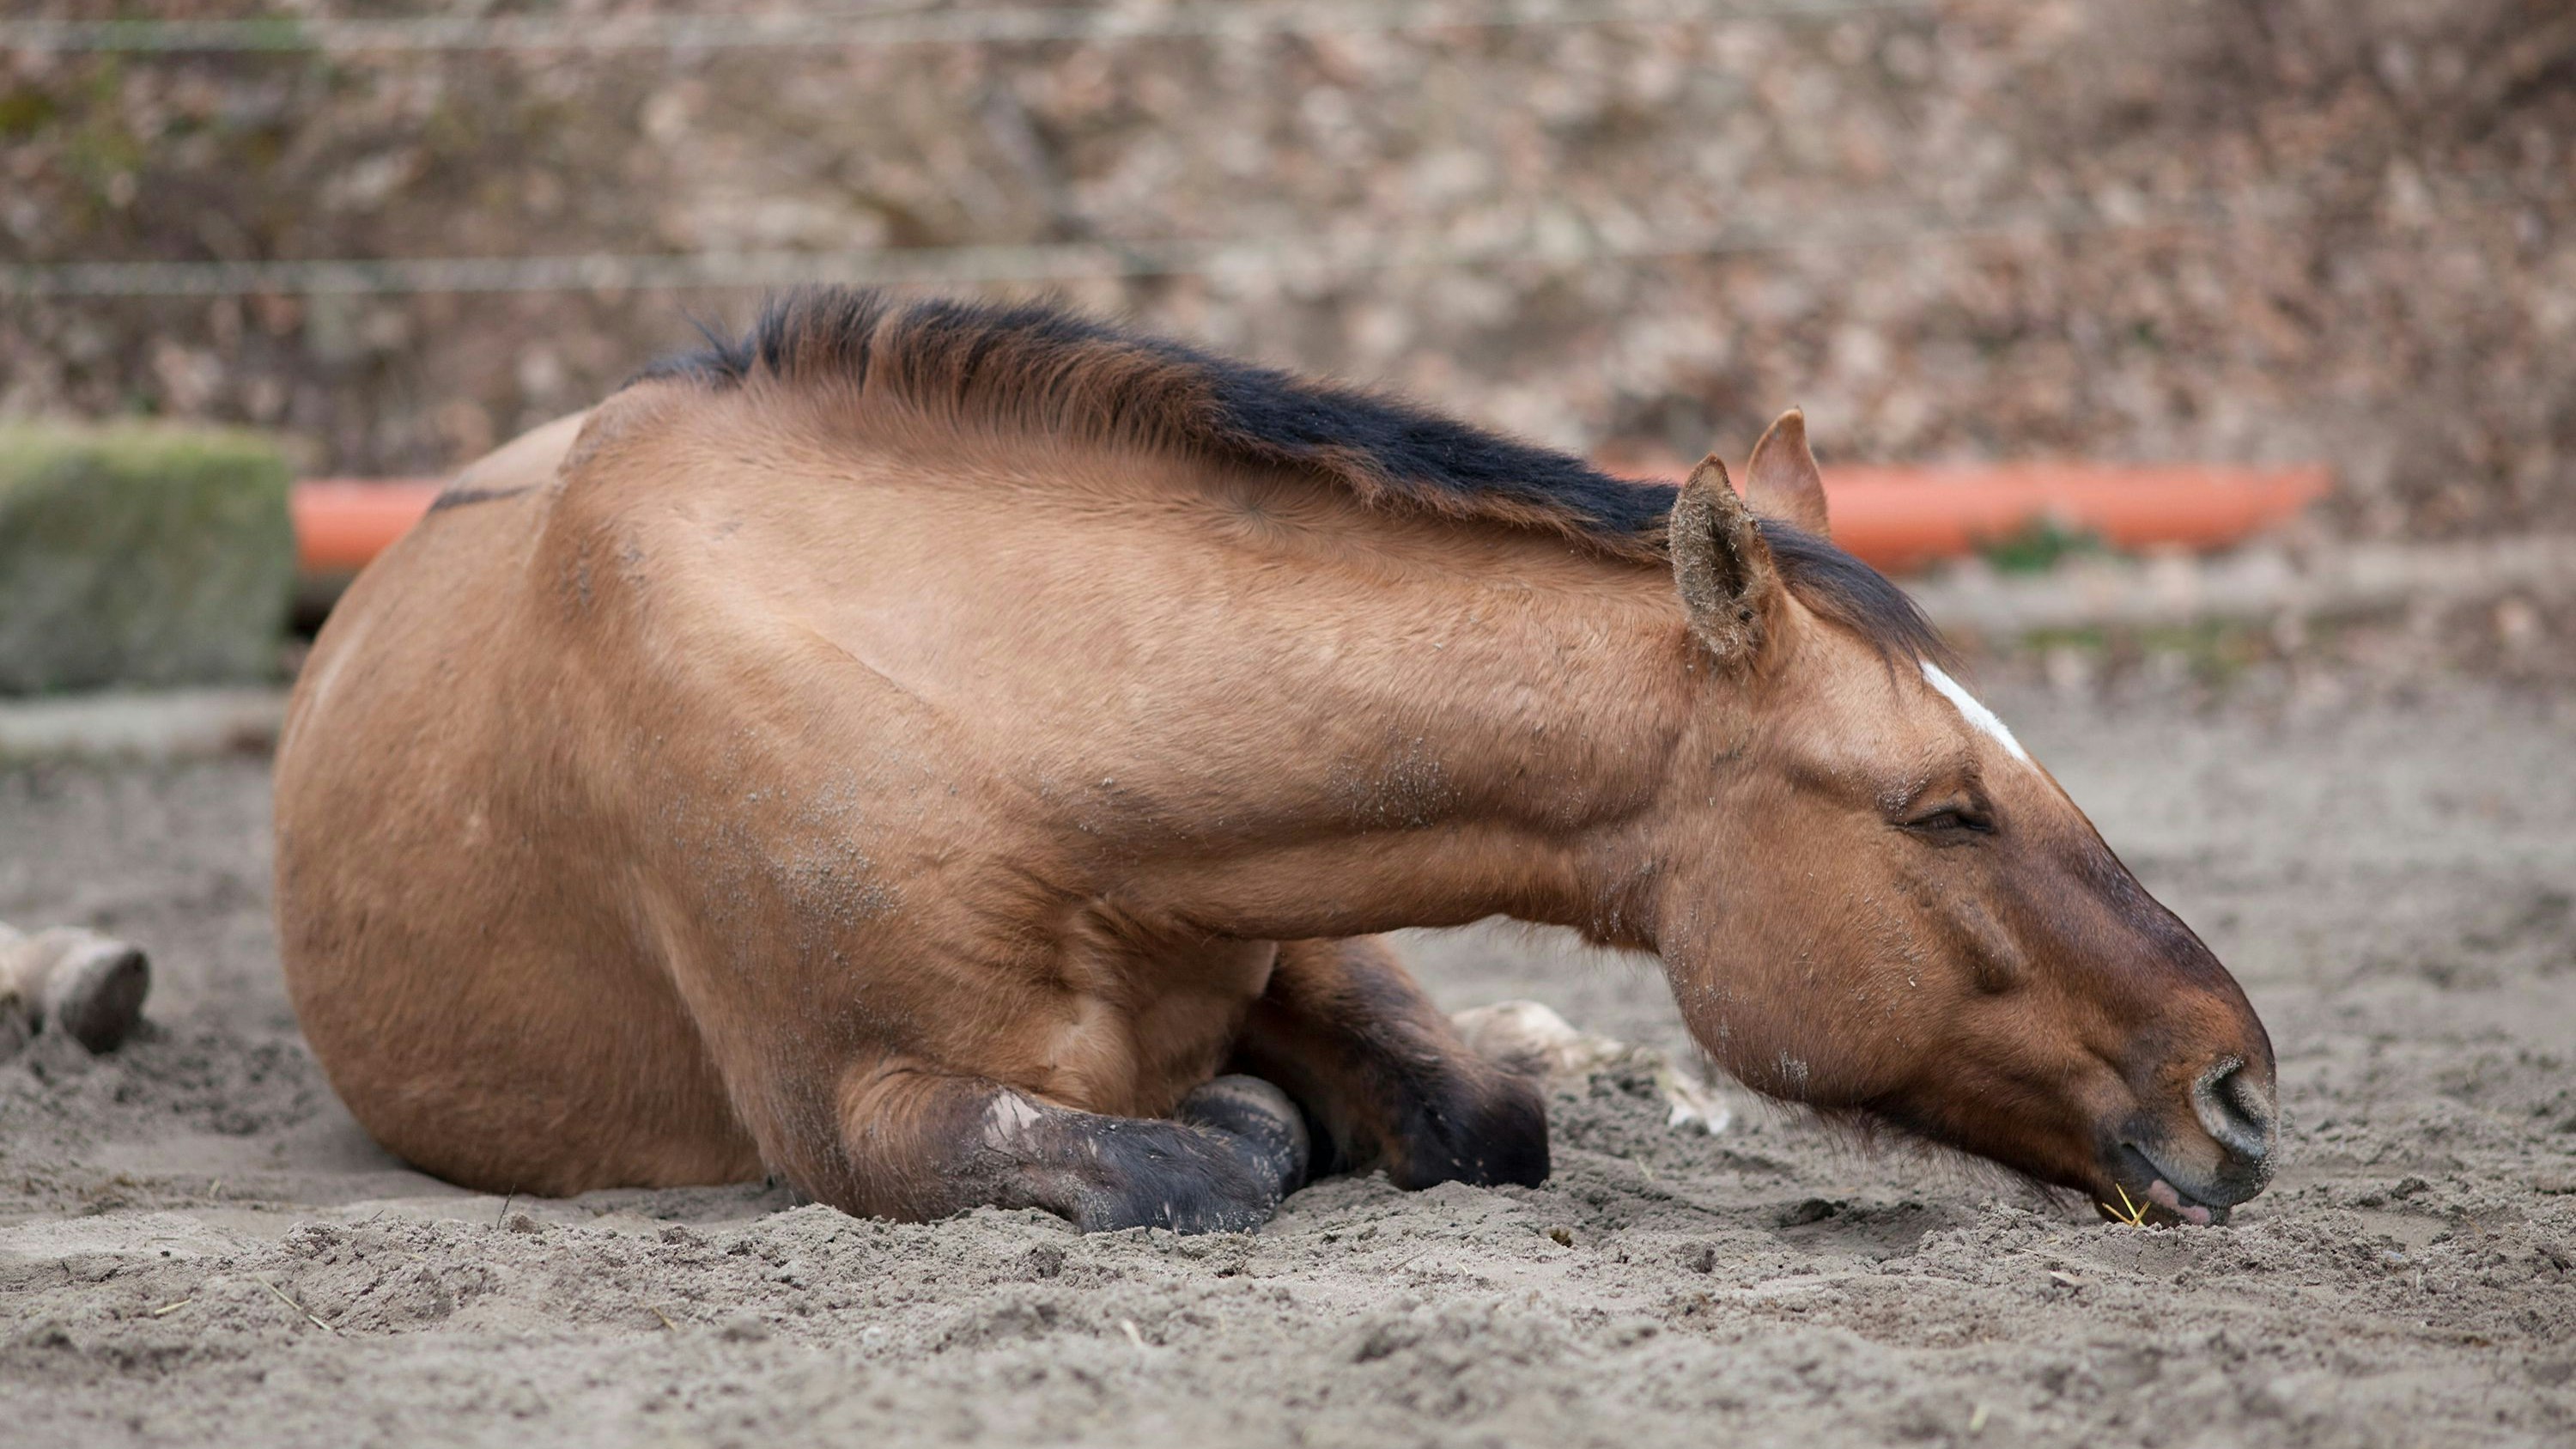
x=1008, y=1120
x=1973, y=711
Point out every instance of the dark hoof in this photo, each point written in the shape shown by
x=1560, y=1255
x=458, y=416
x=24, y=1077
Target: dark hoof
x=1261, y=1122
x=1237, y=1147
x=1487, y=1130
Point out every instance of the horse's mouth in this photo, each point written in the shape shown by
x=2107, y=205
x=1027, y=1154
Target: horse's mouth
x=2143, y=1195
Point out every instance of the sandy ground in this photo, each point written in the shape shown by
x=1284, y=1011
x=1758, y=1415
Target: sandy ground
x=198, y=1246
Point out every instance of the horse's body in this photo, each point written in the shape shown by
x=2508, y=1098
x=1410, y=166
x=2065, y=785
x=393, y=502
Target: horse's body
x=916, y=752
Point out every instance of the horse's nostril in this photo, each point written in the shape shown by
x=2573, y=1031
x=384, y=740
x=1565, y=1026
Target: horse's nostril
x=2234, y=1110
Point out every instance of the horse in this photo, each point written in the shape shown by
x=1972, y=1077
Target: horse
x=948, y=755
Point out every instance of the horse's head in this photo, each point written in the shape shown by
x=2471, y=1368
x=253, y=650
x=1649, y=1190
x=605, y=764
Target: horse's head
x=1879, y=904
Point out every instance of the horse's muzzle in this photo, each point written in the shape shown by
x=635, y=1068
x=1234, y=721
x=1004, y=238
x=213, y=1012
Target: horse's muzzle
x=2195, y=1170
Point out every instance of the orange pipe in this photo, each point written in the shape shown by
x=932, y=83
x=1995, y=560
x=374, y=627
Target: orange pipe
x=1902, y=518
x=1894, y=518
x=343, y=523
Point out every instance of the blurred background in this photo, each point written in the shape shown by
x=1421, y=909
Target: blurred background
x=390, y=236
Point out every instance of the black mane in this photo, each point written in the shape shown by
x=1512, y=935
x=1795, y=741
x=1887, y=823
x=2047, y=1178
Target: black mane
x=1054, y=371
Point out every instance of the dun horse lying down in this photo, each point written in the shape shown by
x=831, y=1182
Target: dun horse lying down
x=918, y=749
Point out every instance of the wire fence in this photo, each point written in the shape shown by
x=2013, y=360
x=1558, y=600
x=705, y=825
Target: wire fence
x=1245, y=19
x=1558, y=240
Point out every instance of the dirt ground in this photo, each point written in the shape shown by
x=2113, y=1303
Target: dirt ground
x=198, y=1246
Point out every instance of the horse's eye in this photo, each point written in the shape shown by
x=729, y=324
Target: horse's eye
x=1955, y=819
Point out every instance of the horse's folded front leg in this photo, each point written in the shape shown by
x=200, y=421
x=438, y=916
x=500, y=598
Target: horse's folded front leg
x=1386, y=1078
x=924, y=1145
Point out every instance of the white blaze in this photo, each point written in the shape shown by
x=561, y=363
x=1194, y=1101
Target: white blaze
x=1976, y=713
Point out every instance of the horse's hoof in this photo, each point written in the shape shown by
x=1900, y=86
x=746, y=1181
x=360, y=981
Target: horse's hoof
x=1261, y=1120
x=96, y=989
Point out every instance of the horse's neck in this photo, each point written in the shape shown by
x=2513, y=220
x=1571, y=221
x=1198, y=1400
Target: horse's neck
x=1254, y=707
x=1434, y=749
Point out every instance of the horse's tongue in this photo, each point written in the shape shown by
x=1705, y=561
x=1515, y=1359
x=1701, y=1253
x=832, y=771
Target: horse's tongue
x=2162, y=1194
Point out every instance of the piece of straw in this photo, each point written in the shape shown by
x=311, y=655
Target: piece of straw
x=308, y=1313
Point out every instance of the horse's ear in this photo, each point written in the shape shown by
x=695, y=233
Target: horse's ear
x=1781, y=481
x=1721, y=565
